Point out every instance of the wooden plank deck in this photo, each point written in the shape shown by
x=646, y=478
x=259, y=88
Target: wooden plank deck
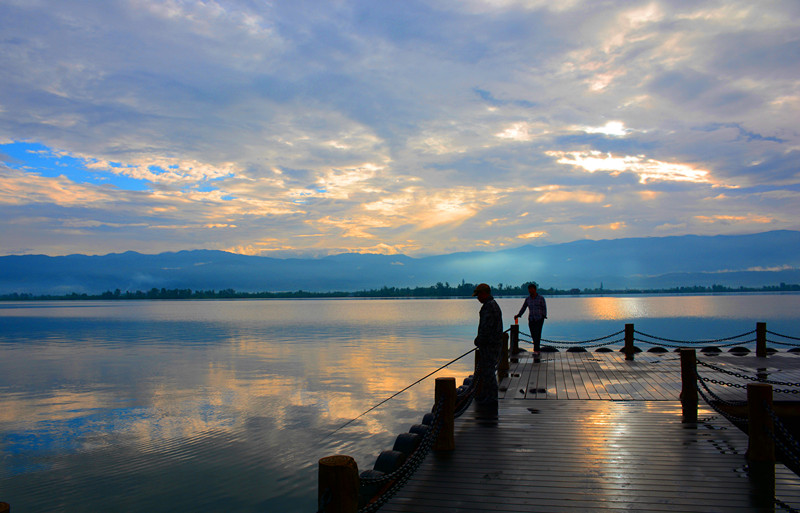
x=605, y=435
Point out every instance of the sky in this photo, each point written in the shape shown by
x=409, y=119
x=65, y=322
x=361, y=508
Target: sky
x=309, y=128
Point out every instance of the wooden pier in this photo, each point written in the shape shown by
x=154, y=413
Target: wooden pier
x=596, y=432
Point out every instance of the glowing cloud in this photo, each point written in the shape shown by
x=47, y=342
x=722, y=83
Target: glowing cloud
x=570, y=196
x=532, y=235
x=615, y=128
x=646, y=169
x=728, y=219
x=610, y=226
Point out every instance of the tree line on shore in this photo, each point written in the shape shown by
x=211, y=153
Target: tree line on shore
x=439, y=290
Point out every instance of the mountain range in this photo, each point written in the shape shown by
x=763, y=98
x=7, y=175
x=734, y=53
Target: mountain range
x=754, y=260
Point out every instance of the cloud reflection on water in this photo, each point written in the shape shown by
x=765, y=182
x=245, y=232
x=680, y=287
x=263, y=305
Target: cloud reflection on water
x=97, y=396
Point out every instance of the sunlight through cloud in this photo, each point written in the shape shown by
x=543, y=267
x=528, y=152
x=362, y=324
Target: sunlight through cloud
x=646, y=169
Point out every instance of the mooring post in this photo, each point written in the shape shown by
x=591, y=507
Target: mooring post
x=502, y=365
x=689, y=385
x=514, y=335
x=629, y=342
x=761, y=446
x=446, y=389
x=338, y=485
x=761, y=339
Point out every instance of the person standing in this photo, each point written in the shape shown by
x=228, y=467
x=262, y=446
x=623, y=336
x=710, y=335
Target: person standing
x=488, y=342
x=537, y=313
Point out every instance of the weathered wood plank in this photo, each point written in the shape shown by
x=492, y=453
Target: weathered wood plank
x=589, y=456
x=567, y=453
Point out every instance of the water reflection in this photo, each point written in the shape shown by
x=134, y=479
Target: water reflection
x=229, y=404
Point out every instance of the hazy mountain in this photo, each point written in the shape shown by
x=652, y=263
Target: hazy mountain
x=749, y=260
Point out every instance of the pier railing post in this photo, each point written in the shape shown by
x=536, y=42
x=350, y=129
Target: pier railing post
x=629, y=342
x=761, y=339
x=761, y=446
x=338, y=485
x=446, y=389
x=514, y=336
x=689, y=385
x=502, y=365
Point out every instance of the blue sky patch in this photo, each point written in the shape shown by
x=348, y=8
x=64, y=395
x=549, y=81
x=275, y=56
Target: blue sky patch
x=45, y=161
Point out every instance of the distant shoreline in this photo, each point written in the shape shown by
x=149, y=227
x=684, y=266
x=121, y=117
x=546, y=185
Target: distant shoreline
x=439, y=291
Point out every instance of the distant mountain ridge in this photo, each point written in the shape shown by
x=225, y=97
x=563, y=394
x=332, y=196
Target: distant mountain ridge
x=767, y=258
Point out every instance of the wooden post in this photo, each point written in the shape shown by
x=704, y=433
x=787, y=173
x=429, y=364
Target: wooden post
x=761, y=446
x=5, y=507
x=338, y=485
x=514, y=334
x=689, y=385
x=761, y=339
x=503, y=366
x=446, y=388
x=629, y=342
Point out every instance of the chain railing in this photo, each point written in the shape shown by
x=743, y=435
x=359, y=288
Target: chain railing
x=757, y=379
x=698, y=342
x=656, y=341
x=377, y=490
x=782, y=336
x=400, y=477
x=717, y=400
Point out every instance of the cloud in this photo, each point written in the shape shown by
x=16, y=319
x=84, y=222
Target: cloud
x=570, y=196
x=646, y=169
x=728, y=219
x=297, y=128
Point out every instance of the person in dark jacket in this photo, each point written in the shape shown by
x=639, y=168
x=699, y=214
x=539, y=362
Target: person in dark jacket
x=488, y=342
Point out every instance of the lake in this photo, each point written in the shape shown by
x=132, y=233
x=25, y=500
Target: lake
x=166, y=406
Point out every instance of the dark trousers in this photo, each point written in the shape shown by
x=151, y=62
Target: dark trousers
x=486, y=393
x=536, y=332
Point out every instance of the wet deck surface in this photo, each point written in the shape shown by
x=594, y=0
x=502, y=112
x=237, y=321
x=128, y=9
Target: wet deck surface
x=597, y=433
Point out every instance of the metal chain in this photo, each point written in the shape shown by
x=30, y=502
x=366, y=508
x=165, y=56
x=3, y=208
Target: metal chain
x=733, y=419
x=723, y=383
x=602, y=344
x=738, y=342
x=694, y=341
x=784, y=431
x=784, y=336
x=788, y=456
x=783, y=343
x=702, y=381
x=750, y=378
x=570, y=343
x=404, y=473
x=422, y=451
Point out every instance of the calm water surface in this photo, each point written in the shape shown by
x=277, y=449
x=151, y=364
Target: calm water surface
x=166, y=406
